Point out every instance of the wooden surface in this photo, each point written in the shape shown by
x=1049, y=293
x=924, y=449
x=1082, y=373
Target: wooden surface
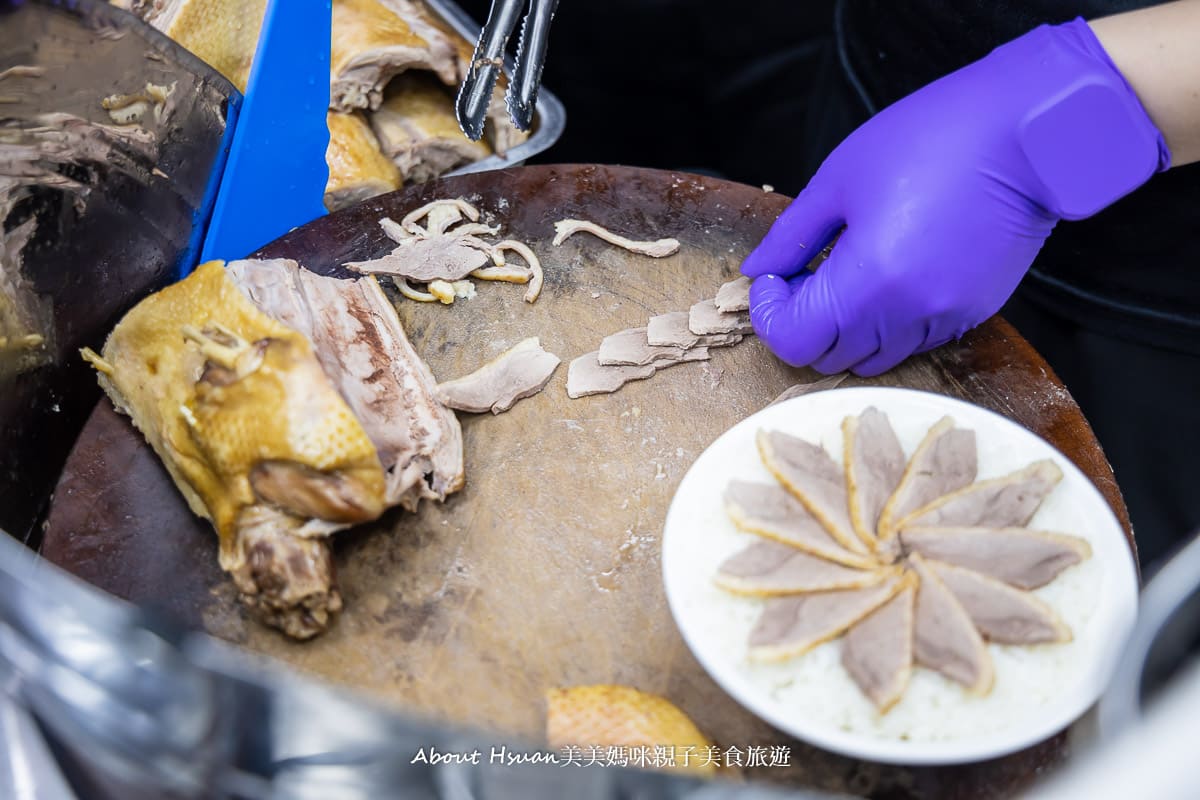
x=545, y=570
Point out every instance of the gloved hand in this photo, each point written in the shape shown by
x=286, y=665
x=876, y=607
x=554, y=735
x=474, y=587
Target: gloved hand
x=945, y=198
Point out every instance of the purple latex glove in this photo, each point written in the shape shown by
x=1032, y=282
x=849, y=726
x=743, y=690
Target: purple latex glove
x=945, y=198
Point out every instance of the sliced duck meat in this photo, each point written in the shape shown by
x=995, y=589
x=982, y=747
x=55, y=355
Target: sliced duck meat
x=769, y=510
x=791, y=626
x=705, y=319
x=587, y=375
x=521, y=371
x=1007, y=502
x=813, y=478
x=1018, y=556
x=629, y=347
x=362, y=347
x=767, y=567
x=874, y=462
x=357, y=170
x=671, y=329
x=878, y=652
x=222, y=391
x=945, y=638
x=944, y=462
x=417, y=129
x=819, y=385
x=660, y=248
x=373, y=42
x=443, y=257
x=1001, y=613
x=734, y=295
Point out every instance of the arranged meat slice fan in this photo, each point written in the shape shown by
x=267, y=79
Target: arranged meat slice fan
x=912, y=564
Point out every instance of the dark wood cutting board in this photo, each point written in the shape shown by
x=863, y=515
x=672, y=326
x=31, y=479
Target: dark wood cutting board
x=545, y=571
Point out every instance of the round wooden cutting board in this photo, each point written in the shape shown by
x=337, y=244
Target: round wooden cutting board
x=544, y=571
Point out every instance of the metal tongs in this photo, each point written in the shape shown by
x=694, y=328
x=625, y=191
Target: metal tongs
x=475, y=95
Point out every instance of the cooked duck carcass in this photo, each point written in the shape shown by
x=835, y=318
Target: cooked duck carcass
x=813, y=478
x=943, y=463
x=375, y=40
x=521, y=371
x=660, y=248
x=418, y=130
x=1018, y=556
x=254, y=434
x=874, y=462
x=357, y=170
x=224, y=33
x=363, y=349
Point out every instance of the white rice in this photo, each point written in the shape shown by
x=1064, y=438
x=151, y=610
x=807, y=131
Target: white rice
x=1031, y=682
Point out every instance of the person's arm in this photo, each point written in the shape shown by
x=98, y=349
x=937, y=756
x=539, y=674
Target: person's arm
x=944, y=199
x=1157, y=49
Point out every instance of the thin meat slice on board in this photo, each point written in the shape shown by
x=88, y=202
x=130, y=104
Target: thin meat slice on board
x=586, y=375
x=874, y=463
x=813, y=478
x=441, y=257
x=819, y=385
x=660, y=248
x=878, y=652
x=791, y=626
x=520, y=372
x=1007, y=502
x=362, y=346
x=672, y=329
x=705, y=319
x=944, y=462
x=630, y=348
x=734, y=296
x=767, y=567
x=945, y=638
x=372, y=42
x=1018, y=556
x=1000, y=612
x=769, y=510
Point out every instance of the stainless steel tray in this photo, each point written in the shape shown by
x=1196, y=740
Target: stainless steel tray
x=548, y=121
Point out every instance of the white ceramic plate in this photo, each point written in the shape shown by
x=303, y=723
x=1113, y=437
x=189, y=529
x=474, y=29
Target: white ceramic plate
x=1038, y=691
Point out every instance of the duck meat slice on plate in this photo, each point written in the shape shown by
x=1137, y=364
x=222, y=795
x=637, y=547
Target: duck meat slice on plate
x=945, y=638
x=878, y=652
x=770, y=510
x=874, y=462
x=791, y=626
x=1006, y=502
x=945, y=461
x=1018, y=556
x=811, y=475
x=1000, y=612
x=767, y=567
